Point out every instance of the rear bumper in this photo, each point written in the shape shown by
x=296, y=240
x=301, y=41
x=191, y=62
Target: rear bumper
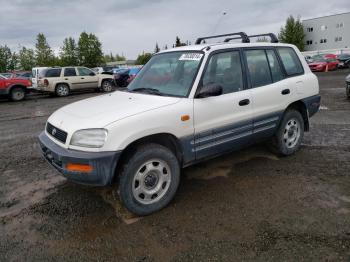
x=103, y=163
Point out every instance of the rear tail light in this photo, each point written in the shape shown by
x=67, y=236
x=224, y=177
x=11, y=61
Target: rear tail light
x=46, y=82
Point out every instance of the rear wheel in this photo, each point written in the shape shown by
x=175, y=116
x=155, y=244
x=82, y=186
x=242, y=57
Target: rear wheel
x=17, y=94
x=62, y=90
x=290, y=133
x=149, y=179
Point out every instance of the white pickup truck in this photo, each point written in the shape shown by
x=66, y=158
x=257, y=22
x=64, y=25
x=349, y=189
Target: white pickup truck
x=186, y=105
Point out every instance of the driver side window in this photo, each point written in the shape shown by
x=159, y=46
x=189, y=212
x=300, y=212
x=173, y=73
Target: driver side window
x=225, y=69
x=85, y=72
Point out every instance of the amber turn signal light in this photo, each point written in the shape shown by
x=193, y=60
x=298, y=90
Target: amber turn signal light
x=79, y=168
x=185, y=117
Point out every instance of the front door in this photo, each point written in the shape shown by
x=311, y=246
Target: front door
x=88, y=79
x=223, y=123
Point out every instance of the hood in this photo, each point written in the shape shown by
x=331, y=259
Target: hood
x=97, y=112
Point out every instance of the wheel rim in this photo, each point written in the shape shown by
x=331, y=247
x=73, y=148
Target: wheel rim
x=62, y=90
x=107, y=86
x=151, y=181
x=18, y=94
x=291, y=133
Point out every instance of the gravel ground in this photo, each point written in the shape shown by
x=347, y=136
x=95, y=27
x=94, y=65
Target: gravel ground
x=248, y=205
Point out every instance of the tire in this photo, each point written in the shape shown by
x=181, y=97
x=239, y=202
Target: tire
x=289, y=135
x=62, y=90
x=17, y=94
x=106, y=86
x=149, y=179
x=348, y=91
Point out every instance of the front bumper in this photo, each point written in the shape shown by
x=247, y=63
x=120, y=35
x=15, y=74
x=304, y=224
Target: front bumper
x=4, y=91
x=103, y=163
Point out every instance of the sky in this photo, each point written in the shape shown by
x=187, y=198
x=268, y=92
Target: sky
x=130, y=27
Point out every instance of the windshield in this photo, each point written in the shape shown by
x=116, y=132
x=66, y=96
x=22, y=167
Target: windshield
x=319, y=59
x=170, y=74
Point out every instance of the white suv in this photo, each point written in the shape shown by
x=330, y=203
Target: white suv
x=186, y=105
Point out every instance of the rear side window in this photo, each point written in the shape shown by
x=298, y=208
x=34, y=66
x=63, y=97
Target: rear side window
x=70, y=71
x=54, y=72
x=290, y=61
x=276, y=71
x=258, y=67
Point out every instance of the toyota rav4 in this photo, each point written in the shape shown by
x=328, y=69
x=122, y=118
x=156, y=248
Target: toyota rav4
x=186, y=105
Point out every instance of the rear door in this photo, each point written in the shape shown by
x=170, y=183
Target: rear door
x=70, y=76
x=223, y=123
x=87, y=78
x=272, y=88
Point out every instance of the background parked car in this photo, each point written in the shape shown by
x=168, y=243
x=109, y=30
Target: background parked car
x=14, y=88
x=5, y=75
x=344, y=60
x=123, y=77
x=24, y=74
x=321, y=64
x=62, y=80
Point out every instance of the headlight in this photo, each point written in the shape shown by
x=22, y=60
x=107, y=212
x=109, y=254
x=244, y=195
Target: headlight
x=94, y=138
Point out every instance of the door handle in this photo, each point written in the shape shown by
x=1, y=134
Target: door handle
x=66, y=79
x=82, y=78
x=244, y=102
x=285, y=92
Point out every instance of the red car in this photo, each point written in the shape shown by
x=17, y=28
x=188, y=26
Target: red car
x=14, y=88
x=321, y=64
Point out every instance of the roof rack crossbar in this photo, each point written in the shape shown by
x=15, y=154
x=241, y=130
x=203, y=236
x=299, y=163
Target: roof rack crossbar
x=243, y=36
x=273, y=37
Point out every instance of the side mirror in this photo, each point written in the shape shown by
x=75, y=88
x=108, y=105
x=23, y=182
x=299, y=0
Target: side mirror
x=92, y=74
x=210, y=90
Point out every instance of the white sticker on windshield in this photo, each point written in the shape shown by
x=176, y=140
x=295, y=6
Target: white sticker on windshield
x=191, y=56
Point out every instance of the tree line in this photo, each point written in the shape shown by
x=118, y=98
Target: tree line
x=144, y=57
x=87, y=51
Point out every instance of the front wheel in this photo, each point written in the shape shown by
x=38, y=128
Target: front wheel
x=106, y=86
x=290, y=133
x=149, y=179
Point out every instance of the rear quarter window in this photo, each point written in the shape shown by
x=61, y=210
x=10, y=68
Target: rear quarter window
x=290, y=61
x=55, y=72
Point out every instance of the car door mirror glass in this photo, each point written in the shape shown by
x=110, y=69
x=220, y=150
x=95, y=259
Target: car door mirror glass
x=210, y=90
x=92, y=74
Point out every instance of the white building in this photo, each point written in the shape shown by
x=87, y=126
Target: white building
x=328, y=33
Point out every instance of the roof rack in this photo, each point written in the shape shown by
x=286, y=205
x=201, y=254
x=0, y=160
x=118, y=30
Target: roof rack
x=243, y=36
x=273, y=37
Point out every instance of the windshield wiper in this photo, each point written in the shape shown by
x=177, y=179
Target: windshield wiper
x=152, y=91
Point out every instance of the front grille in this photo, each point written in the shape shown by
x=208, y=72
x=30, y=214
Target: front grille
x=56, y=133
